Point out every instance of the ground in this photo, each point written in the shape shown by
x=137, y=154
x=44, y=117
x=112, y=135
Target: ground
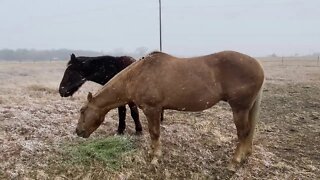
x=37, y=127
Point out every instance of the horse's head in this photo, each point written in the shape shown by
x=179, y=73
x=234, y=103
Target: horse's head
x=73, y=77
x=91, y=118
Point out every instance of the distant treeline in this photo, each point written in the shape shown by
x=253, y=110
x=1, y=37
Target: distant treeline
x=295, y=55
x=64, y=54
x=59, y=54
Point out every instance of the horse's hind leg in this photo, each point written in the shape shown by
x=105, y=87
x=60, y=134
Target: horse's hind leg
x=122, y=119
x=135, y=117
x=153, y=116
x=244, y=132
x=162, y=112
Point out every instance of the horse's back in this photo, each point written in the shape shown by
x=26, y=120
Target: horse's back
x=225, y=64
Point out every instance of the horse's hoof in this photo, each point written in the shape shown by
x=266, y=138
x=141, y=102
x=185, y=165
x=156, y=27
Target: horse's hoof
x=232, y=167
x=139, y=133
x=120, y=132
x=155, y=162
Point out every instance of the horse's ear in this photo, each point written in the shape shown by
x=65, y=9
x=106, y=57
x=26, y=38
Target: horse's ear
x=89, y=97
x=73, y=57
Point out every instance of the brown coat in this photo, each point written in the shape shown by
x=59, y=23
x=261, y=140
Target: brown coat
x=160, y=81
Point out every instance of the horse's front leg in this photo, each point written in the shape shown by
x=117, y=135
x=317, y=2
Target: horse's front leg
x=153, y=115
x=162, y=115
x=122, y=119
x=135, y=117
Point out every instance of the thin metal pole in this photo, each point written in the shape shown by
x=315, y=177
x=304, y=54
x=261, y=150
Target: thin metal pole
x=160, y=25
x=318, y=60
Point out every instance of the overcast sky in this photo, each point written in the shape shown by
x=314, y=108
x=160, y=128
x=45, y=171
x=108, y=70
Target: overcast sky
x=190, y=27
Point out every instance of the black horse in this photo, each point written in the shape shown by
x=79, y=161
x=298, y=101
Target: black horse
x=100, y=70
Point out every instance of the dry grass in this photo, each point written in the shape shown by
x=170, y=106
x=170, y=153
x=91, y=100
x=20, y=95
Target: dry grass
x=36, y=125
x=40, y=88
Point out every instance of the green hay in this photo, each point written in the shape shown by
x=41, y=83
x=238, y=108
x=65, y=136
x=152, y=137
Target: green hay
x=108, y=151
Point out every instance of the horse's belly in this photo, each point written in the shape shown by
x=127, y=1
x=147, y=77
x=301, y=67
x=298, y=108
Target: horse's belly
x=196, y=101
x=195, y=106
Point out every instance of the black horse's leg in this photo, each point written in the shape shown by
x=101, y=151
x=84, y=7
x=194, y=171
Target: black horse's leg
x=135, y=117
x=122, y=119
x=161, y=118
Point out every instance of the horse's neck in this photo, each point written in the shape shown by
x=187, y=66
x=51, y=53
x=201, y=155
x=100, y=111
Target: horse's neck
x=100, y=80
x=101, y=76
x=112, y=95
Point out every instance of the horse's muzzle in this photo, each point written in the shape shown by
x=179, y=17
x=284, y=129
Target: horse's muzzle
x=64, y=93
x=82, y=133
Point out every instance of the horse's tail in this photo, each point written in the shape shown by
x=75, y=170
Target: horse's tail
x=254, y=112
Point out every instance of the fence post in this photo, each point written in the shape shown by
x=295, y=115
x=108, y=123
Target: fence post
x=160, y=25
x=318, y=61
x=282, y=60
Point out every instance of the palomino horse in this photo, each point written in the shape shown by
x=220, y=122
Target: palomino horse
x=161, y=81
x=98, y=69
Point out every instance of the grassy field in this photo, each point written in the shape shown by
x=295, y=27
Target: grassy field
x=37, y=139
